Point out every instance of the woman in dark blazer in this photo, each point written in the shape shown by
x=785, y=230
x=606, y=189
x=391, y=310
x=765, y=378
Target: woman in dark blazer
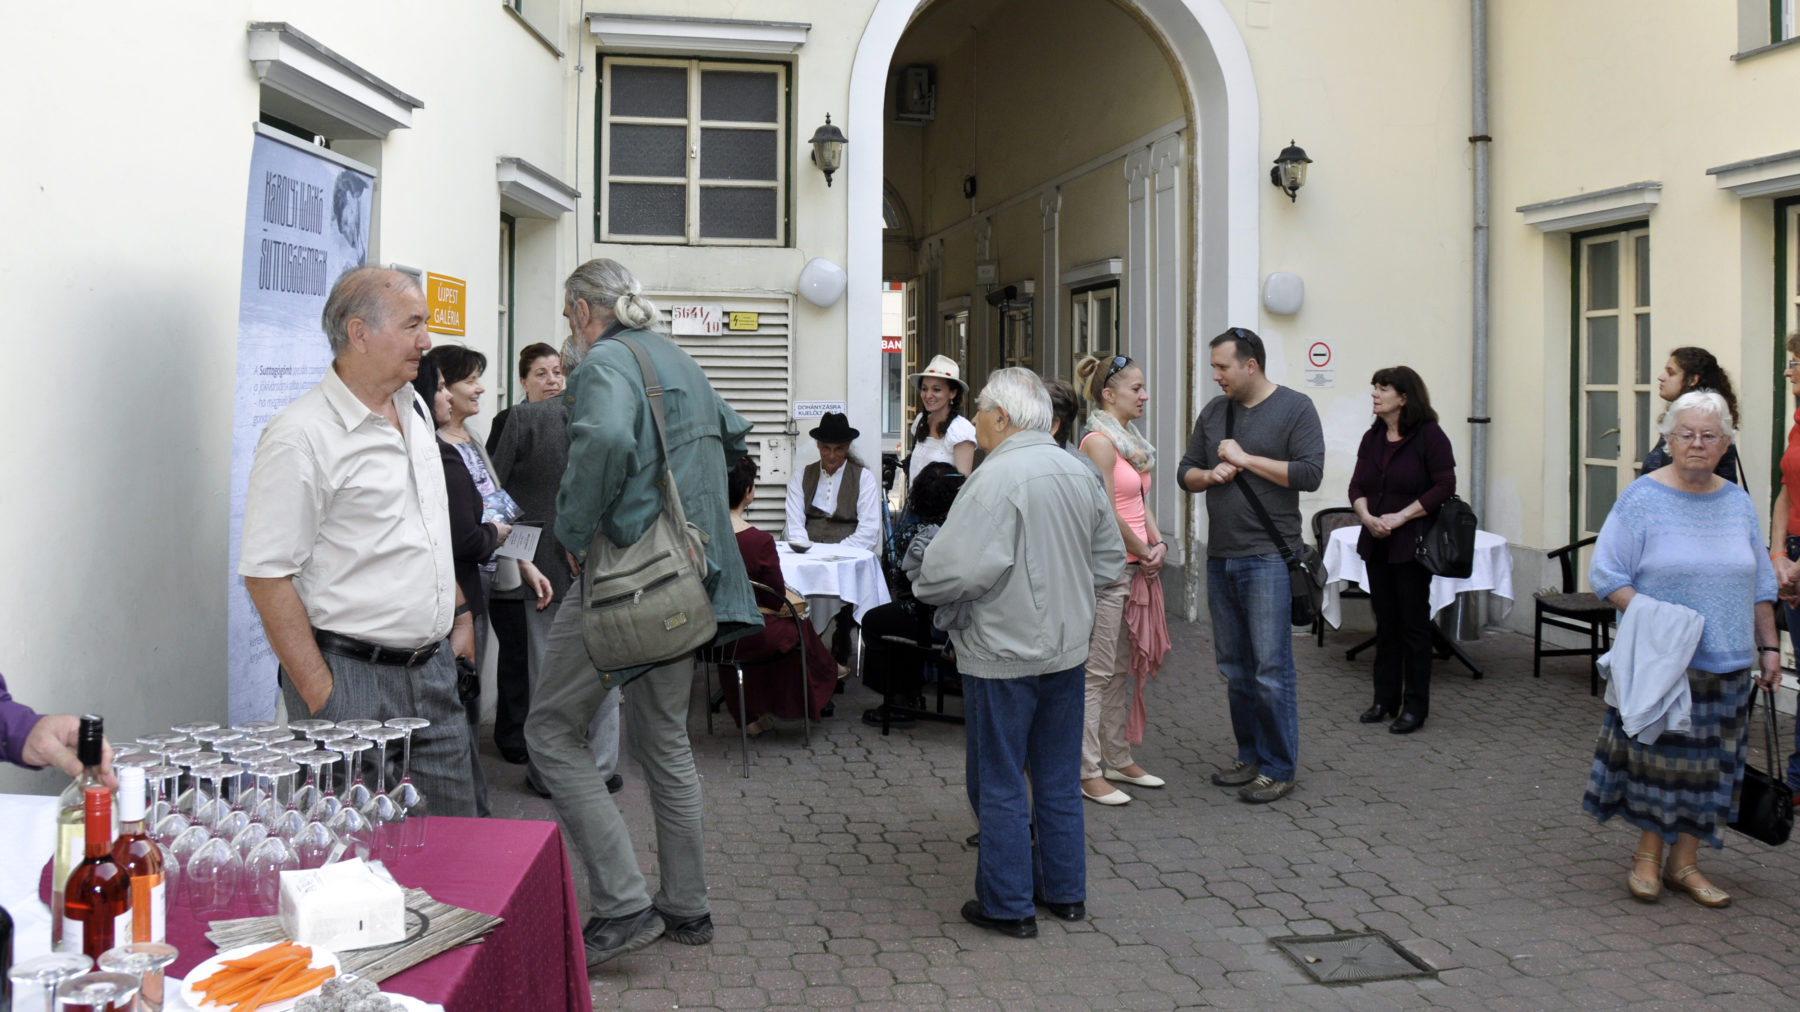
x=1405, y=470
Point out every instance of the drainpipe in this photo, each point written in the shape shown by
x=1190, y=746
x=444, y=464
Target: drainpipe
x=1478, y=400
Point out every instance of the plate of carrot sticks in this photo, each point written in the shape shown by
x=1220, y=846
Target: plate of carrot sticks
x=259, y=978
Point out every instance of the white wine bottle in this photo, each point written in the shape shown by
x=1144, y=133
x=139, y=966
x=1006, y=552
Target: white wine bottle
x=70, y=831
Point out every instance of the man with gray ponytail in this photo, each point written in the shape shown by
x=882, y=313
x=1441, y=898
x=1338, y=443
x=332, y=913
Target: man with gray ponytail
x=610, y=486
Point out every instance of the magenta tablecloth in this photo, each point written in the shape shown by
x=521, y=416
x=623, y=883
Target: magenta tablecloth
x=514, y=868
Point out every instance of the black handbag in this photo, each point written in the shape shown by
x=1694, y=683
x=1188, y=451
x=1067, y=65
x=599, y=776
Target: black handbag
x=1447, y=548
x=1765, y=802
x=1306, y=573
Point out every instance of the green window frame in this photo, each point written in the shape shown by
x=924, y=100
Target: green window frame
x=1612, y=368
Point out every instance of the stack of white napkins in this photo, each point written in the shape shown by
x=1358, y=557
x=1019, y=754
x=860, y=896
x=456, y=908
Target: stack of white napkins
x=1646, y=670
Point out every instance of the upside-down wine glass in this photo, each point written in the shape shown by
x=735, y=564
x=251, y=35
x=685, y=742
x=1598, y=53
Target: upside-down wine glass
x=97, y=991
x=144, y=961
x=328, y=739
x=383, y=813
x=272, y=856
x=351, y=827
x=406, y=795
x=314, y=843
x=45, y=973
x=357, y=794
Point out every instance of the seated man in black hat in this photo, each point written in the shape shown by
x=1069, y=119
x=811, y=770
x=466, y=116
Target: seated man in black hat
x=837, y=499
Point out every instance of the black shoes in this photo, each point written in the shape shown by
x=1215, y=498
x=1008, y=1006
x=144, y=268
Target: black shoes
x=974, y=840
x=1063, y=911
x=873, y=719
x=691, y=931
x=515, y=756
x=1375, y=714
x=1024, y=927
x=610, y=937
x=615, y=783
x=1407, y=724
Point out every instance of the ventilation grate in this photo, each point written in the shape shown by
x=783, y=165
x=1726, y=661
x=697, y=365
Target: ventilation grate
x=1357, y=958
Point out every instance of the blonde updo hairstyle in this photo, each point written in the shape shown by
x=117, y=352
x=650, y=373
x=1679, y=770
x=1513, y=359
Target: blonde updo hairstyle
x=608, y=285
x=1091, y=378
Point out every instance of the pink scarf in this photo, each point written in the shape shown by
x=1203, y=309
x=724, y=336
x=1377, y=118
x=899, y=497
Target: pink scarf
x=1149, y=629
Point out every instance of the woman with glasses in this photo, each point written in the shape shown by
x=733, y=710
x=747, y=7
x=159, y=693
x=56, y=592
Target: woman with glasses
x=1405, y=469
x=1682, y=536
x=1695, y=369
x=1784, y=535
x=1114, y=715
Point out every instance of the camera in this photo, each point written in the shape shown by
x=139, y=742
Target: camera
x=1001, y=296
x=890, y=465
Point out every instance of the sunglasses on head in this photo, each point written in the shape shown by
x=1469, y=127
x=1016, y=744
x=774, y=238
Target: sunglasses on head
x=1119, y=362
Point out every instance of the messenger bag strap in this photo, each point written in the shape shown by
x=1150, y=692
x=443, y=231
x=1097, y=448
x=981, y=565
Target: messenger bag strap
x=1256, y=505
x=652, y=390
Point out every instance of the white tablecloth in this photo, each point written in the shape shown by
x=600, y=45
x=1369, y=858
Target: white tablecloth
x=1492, y=573
x=840, y=572
x=30, y=836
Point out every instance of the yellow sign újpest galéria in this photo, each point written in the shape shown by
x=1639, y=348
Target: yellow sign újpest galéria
x=446, y=297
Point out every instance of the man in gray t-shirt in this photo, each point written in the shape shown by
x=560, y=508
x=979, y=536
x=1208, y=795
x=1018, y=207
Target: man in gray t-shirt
x=1276, y=448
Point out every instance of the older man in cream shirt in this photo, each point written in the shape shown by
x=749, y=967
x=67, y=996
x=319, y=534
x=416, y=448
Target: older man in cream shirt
x=346, y=540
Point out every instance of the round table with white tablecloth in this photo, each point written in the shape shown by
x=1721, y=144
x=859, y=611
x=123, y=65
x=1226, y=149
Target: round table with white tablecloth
x=835, y=574
x=1492, y=573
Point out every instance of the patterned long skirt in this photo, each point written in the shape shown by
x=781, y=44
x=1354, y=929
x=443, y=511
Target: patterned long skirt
x=1684, y=783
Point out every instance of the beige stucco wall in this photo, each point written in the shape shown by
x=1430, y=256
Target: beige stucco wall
x=121, y=282
x=1670, y=105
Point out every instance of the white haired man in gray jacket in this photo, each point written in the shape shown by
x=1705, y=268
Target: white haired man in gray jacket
x=1013, y=573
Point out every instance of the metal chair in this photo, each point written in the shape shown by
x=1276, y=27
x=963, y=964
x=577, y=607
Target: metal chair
x=1575, y=611
x=1324, y=523
x=722, y=656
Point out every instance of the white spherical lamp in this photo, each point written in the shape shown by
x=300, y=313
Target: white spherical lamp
x=1283, y=293
x=822, y=282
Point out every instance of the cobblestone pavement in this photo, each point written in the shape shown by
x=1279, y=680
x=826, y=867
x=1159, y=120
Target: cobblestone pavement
x=836, y=871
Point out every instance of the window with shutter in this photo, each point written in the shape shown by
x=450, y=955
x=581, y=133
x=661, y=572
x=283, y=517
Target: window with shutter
x=693, y=152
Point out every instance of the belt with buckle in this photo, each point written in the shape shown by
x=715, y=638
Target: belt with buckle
x=362, y=650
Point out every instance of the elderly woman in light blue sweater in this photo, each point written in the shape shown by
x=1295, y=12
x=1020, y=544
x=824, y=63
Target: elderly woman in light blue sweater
x=1684, y=535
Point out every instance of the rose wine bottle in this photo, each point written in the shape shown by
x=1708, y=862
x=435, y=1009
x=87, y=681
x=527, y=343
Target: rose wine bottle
x=97, y=898
x=141, y=858
x=70, y=820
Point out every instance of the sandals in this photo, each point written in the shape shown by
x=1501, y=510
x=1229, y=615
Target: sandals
x=1647, y=890
x=1706, y=896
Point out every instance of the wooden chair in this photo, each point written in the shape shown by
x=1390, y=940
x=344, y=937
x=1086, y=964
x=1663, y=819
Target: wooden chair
x=1324, y=523
x=1575, y=611
x=722, y=656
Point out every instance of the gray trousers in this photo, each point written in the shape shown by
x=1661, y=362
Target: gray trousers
x=603, y=730
x=442, y=754
x=564, y=702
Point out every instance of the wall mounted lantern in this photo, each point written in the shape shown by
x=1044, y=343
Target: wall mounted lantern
x=1289, y=173
x=828, y=148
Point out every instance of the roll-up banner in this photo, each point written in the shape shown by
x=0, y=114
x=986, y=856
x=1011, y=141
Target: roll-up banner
x=306, y=221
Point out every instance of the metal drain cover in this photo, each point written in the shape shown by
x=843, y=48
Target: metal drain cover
x=1356, y=958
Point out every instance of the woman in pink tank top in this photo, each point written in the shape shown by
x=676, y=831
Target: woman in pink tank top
x=1116, y=394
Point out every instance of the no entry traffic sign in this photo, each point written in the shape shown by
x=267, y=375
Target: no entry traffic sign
x=1318, y=355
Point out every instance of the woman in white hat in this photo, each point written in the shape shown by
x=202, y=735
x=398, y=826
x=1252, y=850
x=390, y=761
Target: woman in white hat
x=941, y=432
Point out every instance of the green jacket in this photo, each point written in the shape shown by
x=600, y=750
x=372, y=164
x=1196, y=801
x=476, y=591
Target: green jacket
x=614, y=463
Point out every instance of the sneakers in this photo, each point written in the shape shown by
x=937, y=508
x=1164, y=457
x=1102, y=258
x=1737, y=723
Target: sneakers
x=690, y=931
x=610, y=937
x=1238, y=775
x=1262, y=790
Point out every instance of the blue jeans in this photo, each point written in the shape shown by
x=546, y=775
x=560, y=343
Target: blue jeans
x=1013, y=723
x=1254, y=646
x=1793, y=764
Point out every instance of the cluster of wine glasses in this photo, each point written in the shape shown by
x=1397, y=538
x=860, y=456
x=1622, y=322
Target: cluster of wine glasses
x=65, y=980
x=231, y=812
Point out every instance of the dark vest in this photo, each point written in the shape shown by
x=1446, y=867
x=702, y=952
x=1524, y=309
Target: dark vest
x=829, y=528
